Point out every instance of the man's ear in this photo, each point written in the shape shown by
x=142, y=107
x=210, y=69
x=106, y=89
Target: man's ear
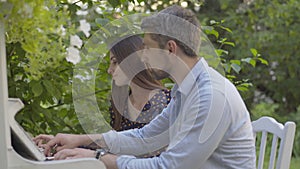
x=172, y=46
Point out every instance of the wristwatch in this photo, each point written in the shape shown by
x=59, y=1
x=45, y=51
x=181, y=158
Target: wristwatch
x=100, y=152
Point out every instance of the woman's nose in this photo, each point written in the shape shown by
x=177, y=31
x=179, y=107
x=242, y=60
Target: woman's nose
x=110, y=71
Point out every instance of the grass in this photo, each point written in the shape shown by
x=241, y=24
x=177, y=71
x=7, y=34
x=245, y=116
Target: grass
x=295, y=163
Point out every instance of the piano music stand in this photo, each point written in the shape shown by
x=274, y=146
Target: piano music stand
x=9, y=158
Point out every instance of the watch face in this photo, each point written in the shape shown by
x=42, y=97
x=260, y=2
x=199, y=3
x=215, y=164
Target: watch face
x=100, y=152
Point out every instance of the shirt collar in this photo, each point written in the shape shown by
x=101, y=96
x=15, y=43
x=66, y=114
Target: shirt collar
x=190, y=79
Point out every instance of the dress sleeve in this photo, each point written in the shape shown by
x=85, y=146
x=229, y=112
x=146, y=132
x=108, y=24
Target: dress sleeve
x=112, y=116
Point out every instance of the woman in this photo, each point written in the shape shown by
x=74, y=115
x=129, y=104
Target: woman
x=147, y=97
x=134, y=102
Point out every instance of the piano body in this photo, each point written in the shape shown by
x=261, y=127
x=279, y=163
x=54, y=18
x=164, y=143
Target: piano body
x=9, y=158
x=17, y=161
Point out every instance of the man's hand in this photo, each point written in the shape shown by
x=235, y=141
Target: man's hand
x=65, y=141
x=74, y=153
x=110, y=161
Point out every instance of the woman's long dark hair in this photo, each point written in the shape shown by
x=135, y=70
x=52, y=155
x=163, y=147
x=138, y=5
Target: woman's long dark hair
x=143, y=79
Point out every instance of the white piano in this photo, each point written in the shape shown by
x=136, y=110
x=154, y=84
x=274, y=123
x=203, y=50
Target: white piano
x=9, y=156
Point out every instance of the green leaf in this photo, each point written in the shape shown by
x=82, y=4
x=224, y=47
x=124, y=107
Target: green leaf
x=242, y=88
x=37, y=89
x=227, y=68
x=101, y=21
x=221, y=52
x=247, y=60
x=62, y=113
x=263, y=61
x=254, y=52
x=222, y=40
x=250, y=61
x=212, y=32
x=229, y=43
x=231, y=77
x=114, y=3
x=238, y=62
x=253, y=62
x=227, y=29
x=49, y=87
x=236, y=67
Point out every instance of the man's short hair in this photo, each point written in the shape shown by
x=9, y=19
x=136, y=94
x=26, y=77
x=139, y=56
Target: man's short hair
x=175, y=23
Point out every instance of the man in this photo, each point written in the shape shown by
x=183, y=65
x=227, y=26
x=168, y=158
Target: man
x=206, y=125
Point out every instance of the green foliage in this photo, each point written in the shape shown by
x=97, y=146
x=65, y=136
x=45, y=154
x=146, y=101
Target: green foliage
x=264, y=109
x=223, y=46
x=295, y=117
x=38, y=30
x=37, y=71
x=270, y=27
x=295, y=163
x=38, y=36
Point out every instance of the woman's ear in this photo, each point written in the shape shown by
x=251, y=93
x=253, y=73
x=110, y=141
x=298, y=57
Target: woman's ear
x=172, y=46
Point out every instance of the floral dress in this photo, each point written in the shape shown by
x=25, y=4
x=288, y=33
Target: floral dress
x=150, y=110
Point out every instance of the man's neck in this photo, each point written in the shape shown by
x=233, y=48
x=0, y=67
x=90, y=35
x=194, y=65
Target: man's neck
x=190, y=61
x=183, y=66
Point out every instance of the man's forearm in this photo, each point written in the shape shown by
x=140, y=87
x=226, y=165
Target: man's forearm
x=96, y=141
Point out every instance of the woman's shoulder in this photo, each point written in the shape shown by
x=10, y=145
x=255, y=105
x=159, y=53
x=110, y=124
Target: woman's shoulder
x=166, y=91
x=163, y=92
x=164, y=95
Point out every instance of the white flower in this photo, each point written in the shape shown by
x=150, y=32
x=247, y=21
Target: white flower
x=85, y=27
x=99, y=10
x=81, y=12
x=73, y=55
x=76, y=41
x=82, y=5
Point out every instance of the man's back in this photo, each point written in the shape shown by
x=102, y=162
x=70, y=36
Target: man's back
x=237, y=147
x=214, y=122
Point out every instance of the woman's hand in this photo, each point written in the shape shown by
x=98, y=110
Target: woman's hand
x=65, y=141
x=42, y=139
